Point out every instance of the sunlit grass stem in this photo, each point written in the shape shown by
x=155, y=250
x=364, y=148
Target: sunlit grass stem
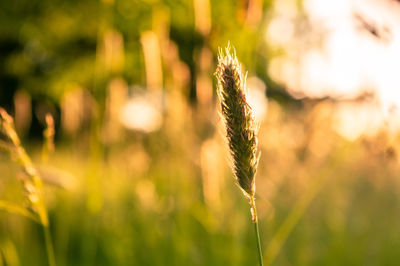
x=33, y=184
x=257, y=232
x=49, y=246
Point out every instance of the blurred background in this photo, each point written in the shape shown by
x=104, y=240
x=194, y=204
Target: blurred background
x=139, y=173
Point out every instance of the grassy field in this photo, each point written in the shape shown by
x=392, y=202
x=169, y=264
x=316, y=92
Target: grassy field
x=168, y=198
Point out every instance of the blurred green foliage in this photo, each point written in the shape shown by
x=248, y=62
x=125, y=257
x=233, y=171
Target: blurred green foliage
x=168, y=197
x=45, y=45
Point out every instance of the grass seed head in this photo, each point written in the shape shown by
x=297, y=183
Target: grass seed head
x=241, y=127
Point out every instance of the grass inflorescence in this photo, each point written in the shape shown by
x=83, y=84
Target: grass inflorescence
x=241, y=128
x=32, y=181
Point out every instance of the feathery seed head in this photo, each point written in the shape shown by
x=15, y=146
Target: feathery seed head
x=241, y=128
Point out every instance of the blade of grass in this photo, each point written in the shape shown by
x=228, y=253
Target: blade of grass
x=293, y=218
x=15, y=209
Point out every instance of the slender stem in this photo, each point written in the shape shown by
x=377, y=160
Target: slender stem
x=257, y=231
x=49, y=246
x=260, y=260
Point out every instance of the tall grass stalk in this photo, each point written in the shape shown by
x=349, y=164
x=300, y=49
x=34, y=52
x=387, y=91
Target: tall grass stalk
x=33, y=184
x=241, y=130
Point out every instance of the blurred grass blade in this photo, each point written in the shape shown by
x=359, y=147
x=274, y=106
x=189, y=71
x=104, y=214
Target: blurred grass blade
x=48, y=135
x=8, y=253
x=15, y=209
x=293, y=218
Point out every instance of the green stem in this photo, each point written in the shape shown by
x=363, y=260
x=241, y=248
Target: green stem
x=257, y=231
x=49, y=246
